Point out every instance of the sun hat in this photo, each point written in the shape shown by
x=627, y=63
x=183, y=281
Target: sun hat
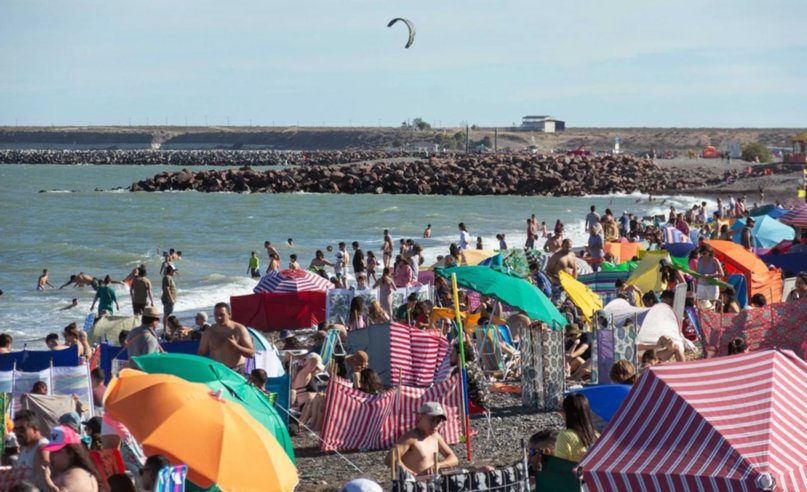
x=152, y=312
x=61, y=436
x=432, y=409
x=71, y=419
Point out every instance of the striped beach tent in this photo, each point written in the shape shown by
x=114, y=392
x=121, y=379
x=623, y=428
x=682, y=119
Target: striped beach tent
x=796, y=217
x=279, y=281
x=730, y=423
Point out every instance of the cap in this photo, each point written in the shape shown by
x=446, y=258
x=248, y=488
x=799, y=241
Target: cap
x=94, y=425
x=61, y=436
x=359, y=359
x=432, y=409
x=71, y=419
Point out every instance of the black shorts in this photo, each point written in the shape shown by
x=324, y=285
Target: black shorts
x=138, y=308
x=167, y=309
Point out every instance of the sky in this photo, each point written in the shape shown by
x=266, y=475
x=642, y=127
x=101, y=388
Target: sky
x=620, y=63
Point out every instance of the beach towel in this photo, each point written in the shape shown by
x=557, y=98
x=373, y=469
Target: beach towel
x=355, y=420
x=780, y=325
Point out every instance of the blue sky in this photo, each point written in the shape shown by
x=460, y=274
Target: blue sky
x=734, y=63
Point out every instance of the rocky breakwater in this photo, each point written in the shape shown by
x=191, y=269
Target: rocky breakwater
x=466, y=175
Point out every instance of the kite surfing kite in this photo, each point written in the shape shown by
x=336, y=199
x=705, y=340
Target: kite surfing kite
x=409, y=25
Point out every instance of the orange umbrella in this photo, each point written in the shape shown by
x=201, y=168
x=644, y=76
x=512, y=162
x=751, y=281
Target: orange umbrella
x=219, y=440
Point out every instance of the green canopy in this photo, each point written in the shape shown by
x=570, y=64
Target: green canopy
x=232, y=385
x=508, y=289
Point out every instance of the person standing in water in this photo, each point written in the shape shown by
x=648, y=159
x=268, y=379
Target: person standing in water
x=428, y=232
x=254, y=266
x=43, y=281
x=105, y=297
x=387, y=248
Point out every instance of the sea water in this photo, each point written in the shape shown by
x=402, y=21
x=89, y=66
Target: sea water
x=72, y=228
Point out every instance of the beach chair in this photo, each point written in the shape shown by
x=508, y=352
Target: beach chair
x=557, y=474
x=488, y=349
x=332, y=346
x=511, y=362
x=171, y=479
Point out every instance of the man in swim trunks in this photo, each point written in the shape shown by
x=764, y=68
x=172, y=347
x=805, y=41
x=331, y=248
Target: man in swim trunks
x=73, y=303
x=43, y=281
x=564, y=259
x=416, y=449
x=140, y=291
x=81, y=280
x=226, y=341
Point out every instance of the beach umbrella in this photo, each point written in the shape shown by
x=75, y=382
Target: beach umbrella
x=767, y=231
x=217, y=438
x=796, y=217
x=472, y=257
x=282, y=281
x=580, y=294
x=218, y=377
x=509, y=289
x=110, y=327
x=676, y=242
x=732, y=423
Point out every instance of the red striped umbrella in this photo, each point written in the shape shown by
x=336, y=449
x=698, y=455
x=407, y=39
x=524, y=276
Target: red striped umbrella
x=796, y=217
x=729, y=423
x=278, y=281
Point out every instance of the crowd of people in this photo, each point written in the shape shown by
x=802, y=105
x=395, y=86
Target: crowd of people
x=61, y=460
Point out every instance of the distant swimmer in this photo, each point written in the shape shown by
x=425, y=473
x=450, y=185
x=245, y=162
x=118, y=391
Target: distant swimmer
x=73, y=303
x=290, y=242
x=43, y=281
x=428, y=232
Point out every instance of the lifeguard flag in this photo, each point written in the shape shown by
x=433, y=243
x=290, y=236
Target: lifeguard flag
x=274, y=312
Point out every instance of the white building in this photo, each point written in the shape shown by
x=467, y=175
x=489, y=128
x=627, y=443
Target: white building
x=546, y=124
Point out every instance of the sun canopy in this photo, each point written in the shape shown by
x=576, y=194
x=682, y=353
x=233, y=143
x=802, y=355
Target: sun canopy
x=511, y=290
x=759, y=279
x=732, y=423
x=767, y=231
x=647, y=275
x=623, y=251
x=582, y=297
x=274, y=312
x=472, y=257
x=796, y=217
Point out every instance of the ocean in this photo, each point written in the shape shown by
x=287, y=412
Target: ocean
x=74, y=228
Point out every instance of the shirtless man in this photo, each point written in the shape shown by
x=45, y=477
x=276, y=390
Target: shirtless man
x=563, y=259
x=428, y=232
x=81, y=280
x=226, y=341
x=43, y=281
x=415, y=450
x=552, y=243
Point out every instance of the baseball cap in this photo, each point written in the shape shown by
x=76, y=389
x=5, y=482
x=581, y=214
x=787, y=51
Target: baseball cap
x=432, y=409
x=61, y=436
x=71, y=419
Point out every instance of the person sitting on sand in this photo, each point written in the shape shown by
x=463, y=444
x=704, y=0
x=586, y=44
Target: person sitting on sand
x=226, y=341
x=43, y=281
x=415, y=450
x=564, y=259
x=175, y=331
x=622, y=372
x=574, y=441
x=304, y=385
x=665, y=349
x=541, y=444
x=258, y=378
x=649, y=359
x=578, y=352
x=737, y=346
x=800, y=289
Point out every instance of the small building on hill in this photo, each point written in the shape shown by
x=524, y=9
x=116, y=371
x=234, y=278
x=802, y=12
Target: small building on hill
x=544, y=123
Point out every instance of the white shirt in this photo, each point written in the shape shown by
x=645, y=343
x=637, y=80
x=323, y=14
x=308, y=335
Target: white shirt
x=591, y=219
x=465, y=238
x=338, y=265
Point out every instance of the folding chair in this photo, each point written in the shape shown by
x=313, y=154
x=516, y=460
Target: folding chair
x=488, y=349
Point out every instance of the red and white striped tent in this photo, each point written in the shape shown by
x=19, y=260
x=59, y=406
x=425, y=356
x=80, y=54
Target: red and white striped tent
x=796, y=217
x=730, y=423
x=279, y=281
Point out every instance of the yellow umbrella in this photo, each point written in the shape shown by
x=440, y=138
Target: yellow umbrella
x=583, y=297
x=218, y=439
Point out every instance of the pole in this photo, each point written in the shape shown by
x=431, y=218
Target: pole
x=461, y=336
x=495, y=140
x=467, y=138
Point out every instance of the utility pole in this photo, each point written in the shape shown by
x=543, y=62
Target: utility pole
x=495, y=140
x=467, y=138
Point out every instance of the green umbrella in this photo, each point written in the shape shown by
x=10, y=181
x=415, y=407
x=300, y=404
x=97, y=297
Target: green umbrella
x=219, y=377
x=508, y=289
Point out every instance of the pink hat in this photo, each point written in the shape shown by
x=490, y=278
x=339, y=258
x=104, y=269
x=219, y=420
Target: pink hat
x=61, y=436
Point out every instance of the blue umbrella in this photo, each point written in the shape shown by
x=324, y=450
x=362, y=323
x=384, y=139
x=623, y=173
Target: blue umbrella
x=767, y=231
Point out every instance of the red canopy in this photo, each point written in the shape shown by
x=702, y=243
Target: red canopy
x=273, y=312
x=730, y=423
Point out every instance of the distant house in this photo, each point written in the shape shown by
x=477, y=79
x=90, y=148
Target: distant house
x=546, y=124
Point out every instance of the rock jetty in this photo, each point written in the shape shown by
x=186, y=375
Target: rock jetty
x=209, y=157
x=466, y=175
